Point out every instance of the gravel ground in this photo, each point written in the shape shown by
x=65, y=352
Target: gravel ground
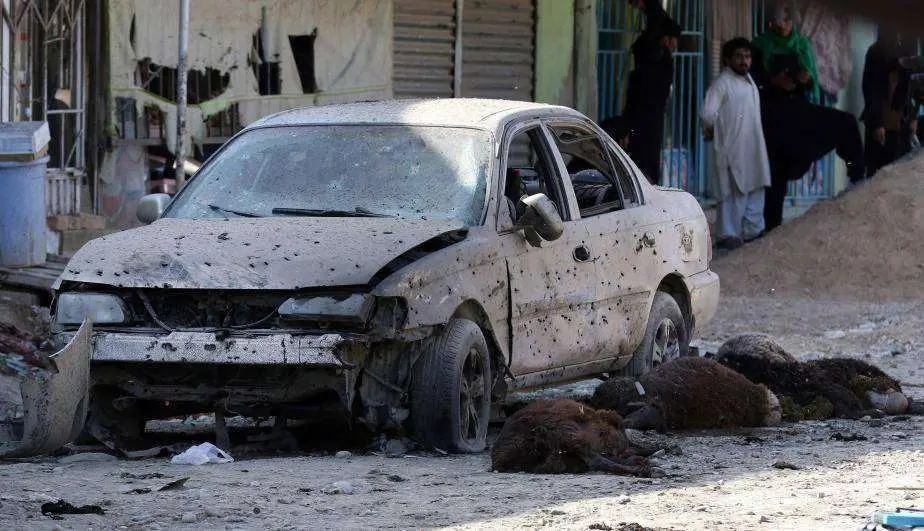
x=722, y=480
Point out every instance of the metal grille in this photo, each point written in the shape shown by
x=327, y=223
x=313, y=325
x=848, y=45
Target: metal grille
x=54, y=48
x=6, y=62
x=683, y=163
x=498, y=43
x=424, y=48
x=818, y=182
x=495, y=40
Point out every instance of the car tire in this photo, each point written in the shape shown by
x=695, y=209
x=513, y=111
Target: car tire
x=666, y=337
x=451, y=390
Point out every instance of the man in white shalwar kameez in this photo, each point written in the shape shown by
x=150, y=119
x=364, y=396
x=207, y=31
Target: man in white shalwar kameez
x=731, y=119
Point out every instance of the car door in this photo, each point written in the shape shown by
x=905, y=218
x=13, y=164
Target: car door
x=610, y=205
x=552, y=287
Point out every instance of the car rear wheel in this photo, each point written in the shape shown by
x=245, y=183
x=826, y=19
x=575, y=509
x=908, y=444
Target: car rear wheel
x=451, y=392
x=666, y=337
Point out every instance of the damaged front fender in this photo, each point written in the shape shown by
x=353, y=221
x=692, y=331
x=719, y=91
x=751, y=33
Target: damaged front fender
x=55, y=400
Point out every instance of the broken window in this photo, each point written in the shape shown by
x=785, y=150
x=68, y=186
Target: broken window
x=266, y=71
x=201, y=86
x=303, y=53
x=591, y=172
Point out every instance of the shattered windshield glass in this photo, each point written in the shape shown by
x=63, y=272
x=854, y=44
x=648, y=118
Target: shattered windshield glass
x=344, y=171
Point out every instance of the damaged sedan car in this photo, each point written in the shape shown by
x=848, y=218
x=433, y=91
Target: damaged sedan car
x=405, y=263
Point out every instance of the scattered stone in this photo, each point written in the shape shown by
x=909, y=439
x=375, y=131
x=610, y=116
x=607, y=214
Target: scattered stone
x=154, y=475
x=623, y=499
x=675, y=450
x=90, y=457
x=783, y=465
x=396, y=478
x=848, y=437
x=659, y=453
x=62, y=507
x=900, y=418
x=763, y=520
x=339, y=487
x=876, y=423
x=600, y=527
x=899, y=435
x=176, y=484
x=343, y=454
x=189, y=518
x=395, y=448
x=658, y=472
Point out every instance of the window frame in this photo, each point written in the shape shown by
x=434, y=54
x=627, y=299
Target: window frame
x=597, y=210
x=566, y=209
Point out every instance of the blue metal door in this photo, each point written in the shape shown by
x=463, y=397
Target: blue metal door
x=683, y=163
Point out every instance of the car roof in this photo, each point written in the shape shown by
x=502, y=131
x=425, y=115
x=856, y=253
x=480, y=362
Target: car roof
x=459, y=112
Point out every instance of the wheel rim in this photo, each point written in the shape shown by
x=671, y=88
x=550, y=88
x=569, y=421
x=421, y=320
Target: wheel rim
x=471, y=396
x=666, y=343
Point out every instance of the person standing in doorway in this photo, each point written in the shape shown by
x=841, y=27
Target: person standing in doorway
x=889, y=116
x=731, y=120
x=649, y=86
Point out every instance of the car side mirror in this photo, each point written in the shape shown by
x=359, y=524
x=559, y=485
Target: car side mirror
x=151, y=207
x=541, y=220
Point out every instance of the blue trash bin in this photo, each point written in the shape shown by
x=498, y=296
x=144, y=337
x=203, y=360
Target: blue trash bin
x=22, y=213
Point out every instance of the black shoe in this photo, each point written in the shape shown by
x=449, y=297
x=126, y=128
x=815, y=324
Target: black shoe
x=729, y=244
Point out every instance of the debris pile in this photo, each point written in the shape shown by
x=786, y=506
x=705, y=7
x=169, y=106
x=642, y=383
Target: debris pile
x=865, y=245
x=22, y=353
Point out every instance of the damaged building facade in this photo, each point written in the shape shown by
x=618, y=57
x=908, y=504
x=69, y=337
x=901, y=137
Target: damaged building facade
x=103, y=73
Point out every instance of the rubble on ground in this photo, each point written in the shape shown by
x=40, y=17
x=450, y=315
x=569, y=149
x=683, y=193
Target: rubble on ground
x=864, y=245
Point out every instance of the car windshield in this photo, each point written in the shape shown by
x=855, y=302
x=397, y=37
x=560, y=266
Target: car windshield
x=344, y=171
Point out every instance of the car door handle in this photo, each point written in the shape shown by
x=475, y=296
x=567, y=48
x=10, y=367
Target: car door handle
x=581, y=253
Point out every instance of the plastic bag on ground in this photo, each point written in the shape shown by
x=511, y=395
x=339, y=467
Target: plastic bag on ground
x=202, y=454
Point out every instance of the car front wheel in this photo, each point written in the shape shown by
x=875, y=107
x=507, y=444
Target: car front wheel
x=666, y=337
x=451, y=392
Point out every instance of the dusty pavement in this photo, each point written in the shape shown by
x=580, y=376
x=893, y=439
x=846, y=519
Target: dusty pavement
x=721, y=481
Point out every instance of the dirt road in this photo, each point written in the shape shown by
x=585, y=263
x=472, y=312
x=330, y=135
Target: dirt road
x=721, y=480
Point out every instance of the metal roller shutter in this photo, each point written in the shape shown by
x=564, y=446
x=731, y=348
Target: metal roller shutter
x=498, y=49
x=423, y=54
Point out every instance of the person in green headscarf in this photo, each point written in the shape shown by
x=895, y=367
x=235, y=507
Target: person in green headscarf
x=797, y=131
x=786, y=55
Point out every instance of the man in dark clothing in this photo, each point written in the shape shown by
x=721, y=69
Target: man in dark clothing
x=650, y=85
x=797, y=132
x=619, y=130
x=888, y=113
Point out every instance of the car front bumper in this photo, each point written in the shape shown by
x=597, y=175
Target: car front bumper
x=205, y=347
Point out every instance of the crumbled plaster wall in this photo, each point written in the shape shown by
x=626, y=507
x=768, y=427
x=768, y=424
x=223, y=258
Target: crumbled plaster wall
x=353, y=59
x=353, y=62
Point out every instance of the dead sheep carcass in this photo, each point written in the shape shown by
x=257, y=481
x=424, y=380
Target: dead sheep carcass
x=814, y=390
x=563, y=436
x=689, y=393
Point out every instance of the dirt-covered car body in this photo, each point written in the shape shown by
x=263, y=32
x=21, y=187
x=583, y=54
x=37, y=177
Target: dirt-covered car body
x=257, y=309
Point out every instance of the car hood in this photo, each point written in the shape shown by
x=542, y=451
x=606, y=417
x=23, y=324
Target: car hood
x=267, y=253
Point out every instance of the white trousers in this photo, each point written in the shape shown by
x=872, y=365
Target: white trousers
x=740, y=215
